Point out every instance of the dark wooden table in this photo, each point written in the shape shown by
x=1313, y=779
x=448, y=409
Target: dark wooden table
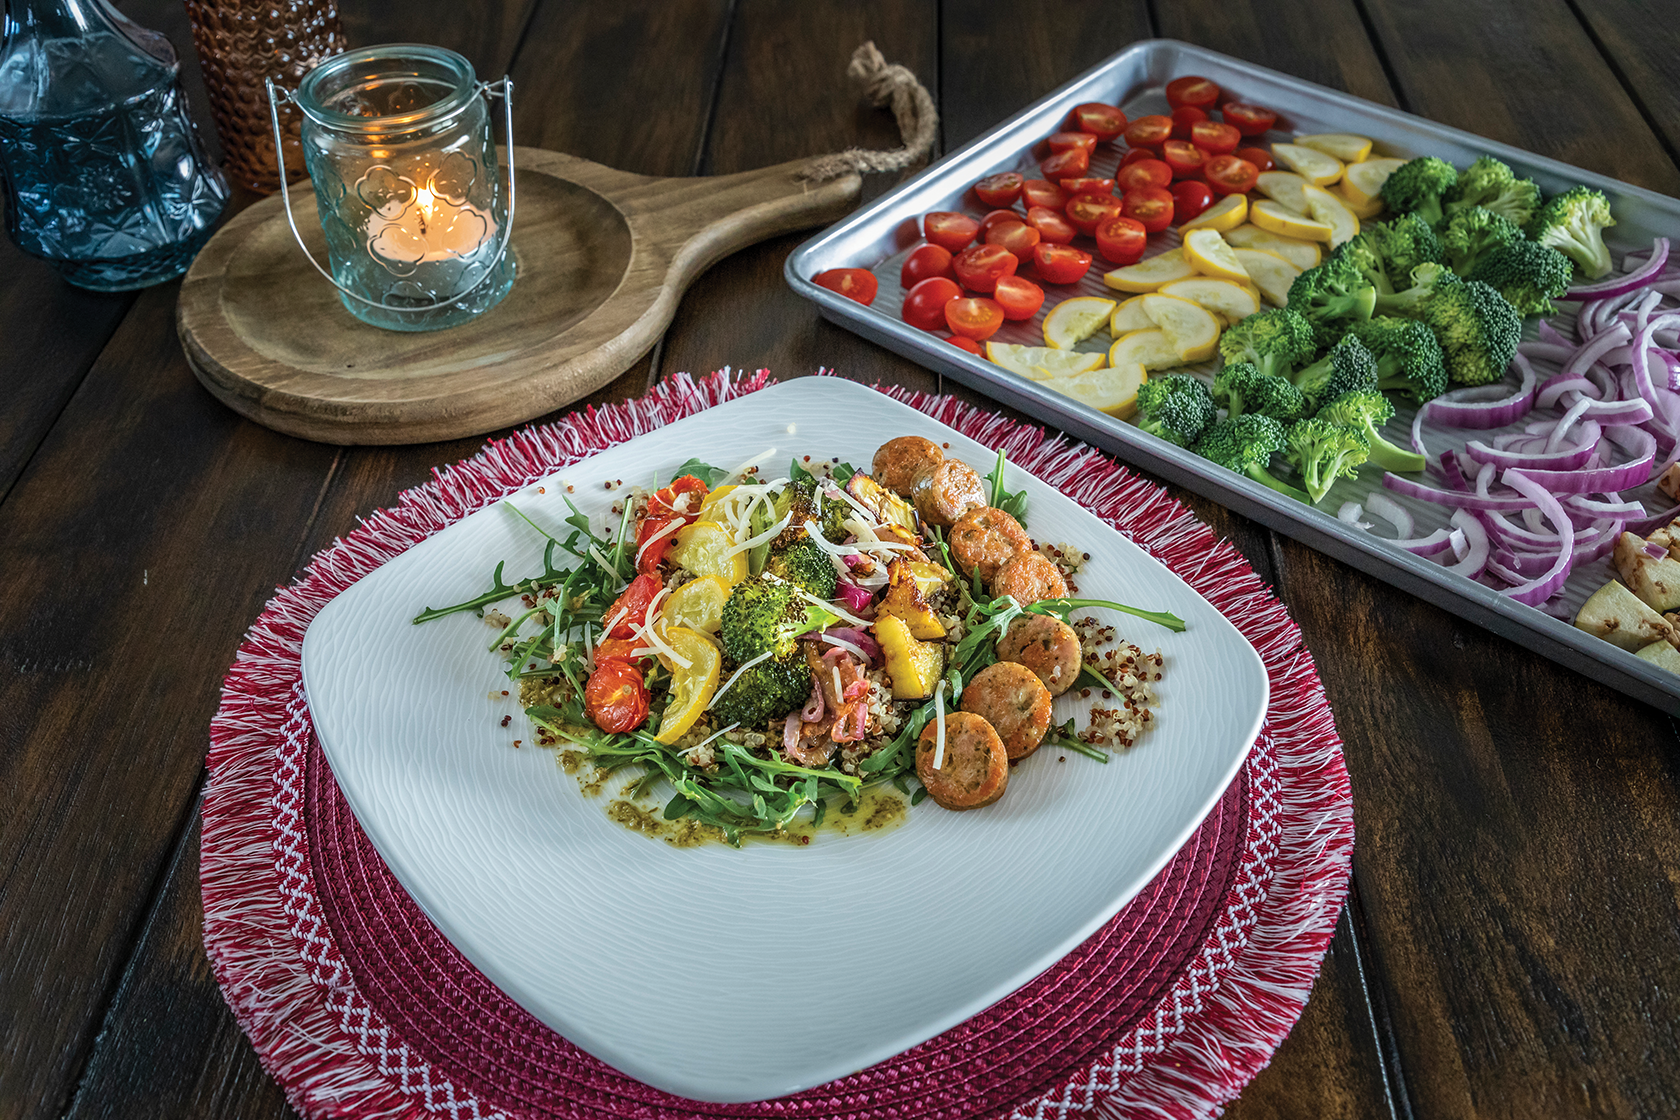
x=1511, y=946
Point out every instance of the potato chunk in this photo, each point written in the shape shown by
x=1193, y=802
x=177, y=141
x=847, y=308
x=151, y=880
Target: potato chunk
x=1655, y=580
x=1616, y=614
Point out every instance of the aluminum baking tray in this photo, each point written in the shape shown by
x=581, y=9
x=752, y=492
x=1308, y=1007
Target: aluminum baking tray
x=881, y=235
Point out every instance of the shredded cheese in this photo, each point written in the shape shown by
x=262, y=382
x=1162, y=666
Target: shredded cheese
x=839, y=693
x=832, y=607
x=737, y=676
x=845, y=645
x=648, y=635
x=765, y=537
x=939, y=719
x=713, y=735
x=741, y=471
x=611, y=624
x=874, y=518
x=606, y=565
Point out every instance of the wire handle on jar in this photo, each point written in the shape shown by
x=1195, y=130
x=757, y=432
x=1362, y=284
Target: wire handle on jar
x=503, y=89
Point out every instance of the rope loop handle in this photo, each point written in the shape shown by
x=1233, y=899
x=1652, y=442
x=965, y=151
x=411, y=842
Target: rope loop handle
x=912, y=106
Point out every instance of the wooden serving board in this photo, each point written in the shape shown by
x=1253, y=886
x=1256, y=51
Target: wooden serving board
x=603, y=256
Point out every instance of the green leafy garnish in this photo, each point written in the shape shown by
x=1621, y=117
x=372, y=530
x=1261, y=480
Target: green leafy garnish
x=705, y=472
x=1015, y=505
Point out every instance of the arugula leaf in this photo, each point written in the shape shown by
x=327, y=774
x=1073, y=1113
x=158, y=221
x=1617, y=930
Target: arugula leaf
x=1015, y=505
x=843, y=473
x=1061, y=608
x=797, y=473
x=705, y=472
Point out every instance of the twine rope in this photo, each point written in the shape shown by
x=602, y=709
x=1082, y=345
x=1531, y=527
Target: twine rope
x=912, y=106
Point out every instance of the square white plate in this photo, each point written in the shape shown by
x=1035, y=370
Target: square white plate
x=896, y=935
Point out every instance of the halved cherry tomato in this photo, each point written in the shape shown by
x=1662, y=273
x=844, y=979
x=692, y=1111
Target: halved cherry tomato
x=1250, y=120
x=1230, y=174
x=856, y=283
x=616, y=697
x=1199, y=93
x=924, y=306
x=1259, y=157
x=1064, y=141
x=1019, y=297
x=1070, y=164
x=670, y=508
x=1147, y=172
x=1060, y=264
x=631, y=606
x=950, y=230
x=1149, y=132
x=1184, y=158
x=1135, y=154
x=928, y=260
x=1121, y=240
x=1018, y=237
x=1001, y=189
x=967, y=344
x=1216, y=138
x=1052, y=225
x=683, y=497
x=1190, y=198
x=995, y=217
x=1042, y=192
x=619, y=649
x=1184, y=119
x=1088, y=211
x=1088, y=186
x=1105, y=122
x=974, y=318
x=979, y=266
x=1151, y=206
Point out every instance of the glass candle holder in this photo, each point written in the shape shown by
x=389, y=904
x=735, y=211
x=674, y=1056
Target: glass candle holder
x=398, y=144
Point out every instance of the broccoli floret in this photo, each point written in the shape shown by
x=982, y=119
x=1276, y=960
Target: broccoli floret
x=804, y=564
x=1472, y=232
x=1347, y=368
x=1478, y=331
x=1417, y=188
x=1276, y=340
x=1322, y=452
x=800, y=497
x=1409, y=358
x=1241, y=388
x=1573, y=223
x=1405, y=243
x=1246, y=444
x=766, y=691
x=1490, y=184
x=767, y=614
x=1426, y=280
x=1175, y=406
x=1528, y=274
x=1332, y=295
x=1365, y=411
x=1363, y=253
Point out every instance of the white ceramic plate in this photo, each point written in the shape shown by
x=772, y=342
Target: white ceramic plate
x=811, y=962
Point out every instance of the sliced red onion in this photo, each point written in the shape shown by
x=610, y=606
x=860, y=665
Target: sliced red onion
x=1565, y=459
x=1470, y=408
x=857, y=597
x=1655, y=551
x=1543, y=587
x=1559, y=352
x=1549, y=336
x=1601, y=479
x=1349, y=513
x=790, y=731
x=1392, y=512
x=1473, y=560
x=1559, y=384
x=1458, y=498
x=1630, y=282
x=1433, y=545
x=853, y=640
x=1602, y=344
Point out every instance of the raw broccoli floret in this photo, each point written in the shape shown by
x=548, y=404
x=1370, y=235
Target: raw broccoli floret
x=1175, y=406
x=1332, y=295
x=1417, y=187
x=1246, y=444
x=1405, y=243
x=767, y=614
x=1472, y=232
x=1426, y=280
x=806, y=565
x=1528, y=274
x=1241, y=388
x=1348, y=367
x=1573, y=223
x=1321, y=452
x=800, y=497
x=1276, y=340
x=1409, y=358
x=766, y=691
x=1478, y=331
x=1490, y=184
x=1364, y=253
x=1365, y=411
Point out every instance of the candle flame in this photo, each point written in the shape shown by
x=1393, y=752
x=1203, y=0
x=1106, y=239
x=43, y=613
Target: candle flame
x=424, y=198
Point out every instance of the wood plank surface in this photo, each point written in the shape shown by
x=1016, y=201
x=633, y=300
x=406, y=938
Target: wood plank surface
x=1640, y=39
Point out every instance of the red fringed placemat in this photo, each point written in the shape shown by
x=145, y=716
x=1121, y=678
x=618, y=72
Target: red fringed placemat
x=359, y=1007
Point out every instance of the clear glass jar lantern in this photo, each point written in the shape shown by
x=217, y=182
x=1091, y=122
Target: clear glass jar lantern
x=398, y=144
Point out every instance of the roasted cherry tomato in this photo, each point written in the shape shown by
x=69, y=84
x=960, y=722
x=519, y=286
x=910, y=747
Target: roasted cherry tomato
x=924, y=306
x=1001, y=189
x=1105, y=122
x=1198, y=93
x=974, y=317
x=1259, y=157
x=1019, y=297
x=1088, y=186
x=927, y=260
x=995, y=217
x=1215, y=138
x=1184, y=158
x=1184, y=119
x=1151, y=206
x=1060, y=264
x=1148, y=172
x=683, y=496
x=1135, y=154
x=616, y=697
x=1088, y=211
x=979, y=266
x=967, y=344
x=1018, y=237
x=1070, y=164
x=618, y=649
x=1230, y=174
x=631, y=606
x=1042, y=192
x=1121, y=240
x=1149, y=132
x=1190, y=198
x=951, y=230
x=1052, y=225
x=854, y=283
x=1250, y=120
x=1065, y=141
x=668, y=510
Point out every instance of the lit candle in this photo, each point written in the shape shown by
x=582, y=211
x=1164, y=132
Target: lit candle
x=432, y=229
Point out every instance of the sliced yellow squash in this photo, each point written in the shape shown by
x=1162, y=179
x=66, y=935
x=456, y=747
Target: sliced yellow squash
x=1040, y=363
x=1279, y=219
x=1281, y=186
x=705, y=549
x=1364, y=211
x=696, y=605
x=1190, y=327
x=1130, y=316
x=1147, y=275
x=1330, y=210
x=1271, y=274
x=1363, y=181
x=1311, y=164
x=1074, y=320
x=1345, y=146
x=1208, y=254
x=1222, y=297
x=692, y=685
x=1301, y=254
x=1228, y=213
x=1112, y=389
x=1151, y=349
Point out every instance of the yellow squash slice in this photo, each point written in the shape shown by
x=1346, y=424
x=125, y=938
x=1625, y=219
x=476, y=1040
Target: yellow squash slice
x=1271, y=274
x=1364, y=211
x=1228, y=213
x=1039, y=363
x=1301, y=254
x=1281, y=186
x=1227, y=298
x=1147, y=275
x=1074, y=320
x=1363, y=181
x=1151, y=349
x=1112, y=389
x=1311, y=164
x=1276, y=218
x=1130, y=316
x=1345, y=146
x=1190, y=327
x=1327, y=208
x=692, y=685
x=1208, y=254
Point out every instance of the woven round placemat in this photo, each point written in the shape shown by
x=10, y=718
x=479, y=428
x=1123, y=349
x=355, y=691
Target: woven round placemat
x=360, y=1007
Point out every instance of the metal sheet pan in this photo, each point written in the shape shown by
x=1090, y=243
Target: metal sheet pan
x=882, y=234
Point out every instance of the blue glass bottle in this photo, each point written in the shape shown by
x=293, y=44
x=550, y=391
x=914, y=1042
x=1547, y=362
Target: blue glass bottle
x=104, y=173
